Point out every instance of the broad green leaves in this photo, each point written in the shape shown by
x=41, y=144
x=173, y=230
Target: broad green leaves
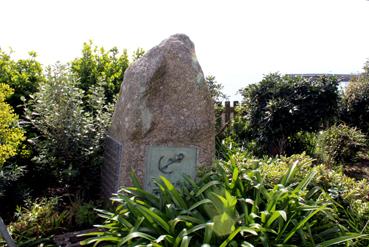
x=231, y=206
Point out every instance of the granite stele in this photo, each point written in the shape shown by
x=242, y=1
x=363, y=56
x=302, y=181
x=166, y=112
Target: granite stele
x=163, y=124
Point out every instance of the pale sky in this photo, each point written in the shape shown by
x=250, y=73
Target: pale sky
x=236, y=41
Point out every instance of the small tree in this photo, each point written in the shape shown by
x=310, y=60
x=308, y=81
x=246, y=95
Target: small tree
x=279, y=107
x=215, y=89
x=138, y=53
x=218, y=96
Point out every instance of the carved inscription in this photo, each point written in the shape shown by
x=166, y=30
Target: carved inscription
x=110, y=171
x=169, y=162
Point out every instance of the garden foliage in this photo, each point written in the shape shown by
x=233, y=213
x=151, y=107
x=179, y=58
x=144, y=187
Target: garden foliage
x=69, y=137
x=215, y=89
x=340, y=144
x=97, y=64
x=247, y=201
x=355, y=102
x=278, y=107
x=38, y=218
x=64, y=111
x=23, y=75
x=239, y=203
x=11, y=137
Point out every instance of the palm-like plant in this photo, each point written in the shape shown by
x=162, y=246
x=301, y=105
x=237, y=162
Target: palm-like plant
x=230, y=206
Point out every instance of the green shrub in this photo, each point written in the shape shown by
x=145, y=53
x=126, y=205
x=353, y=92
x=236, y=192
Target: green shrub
x=343, y=187
x=351, y=193
x=273, y=169
x=355, y=102
x=37, y=219
x=23, y=75
x=98, y=64
x=302, y=141
x=10, y=133
x=215, y=89
x=340, y=144
x=231, y=206
x=278, y=107
x=81, y=215
x=338, y=185
x=69, y=138
x=11, y=137
x=228, y=147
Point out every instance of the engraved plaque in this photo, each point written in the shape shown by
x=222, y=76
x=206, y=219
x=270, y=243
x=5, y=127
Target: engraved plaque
x=110, y=171
x=170, y=162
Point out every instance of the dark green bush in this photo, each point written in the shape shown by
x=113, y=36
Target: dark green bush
x=340, y=144
x=279, y=107
x=302, y=141
x=81, y=215
x=355, y=103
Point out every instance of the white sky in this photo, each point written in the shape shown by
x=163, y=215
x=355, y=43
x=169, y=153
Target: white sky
x=237, y=41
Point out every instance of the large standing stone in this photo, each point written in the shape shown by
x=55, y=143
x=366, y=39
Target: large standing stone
x=164, y=108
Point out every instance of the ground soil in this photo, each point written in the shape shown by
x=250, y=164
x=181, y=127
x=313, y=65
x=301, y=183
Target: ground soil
x=358, y=170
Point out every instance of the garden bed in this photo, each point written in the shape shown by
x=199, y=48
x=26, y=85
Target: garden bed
x=71, y=239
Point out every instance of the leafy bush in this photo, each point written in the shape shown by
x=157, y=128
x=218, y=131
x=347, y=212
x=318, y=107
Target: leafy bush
x=10, y=133
x=81, y=215
x=69, y=137
x=273, y=169
x=218, y=96
x=231, y=206
x=85, y=216
x=98, y=64
x=338, y=185
x=215, y=89
x=343, y=187
x=37, y=219
x=340, y=144
x=302, y=141
x=355, y=102
x=23, y=75
x=350, y=193
x=279, y=107
x=11, y=136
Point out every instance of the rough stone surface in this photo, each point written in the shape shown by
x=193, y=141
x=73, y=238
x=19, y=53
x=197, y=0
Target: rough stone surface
x=164, y=100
